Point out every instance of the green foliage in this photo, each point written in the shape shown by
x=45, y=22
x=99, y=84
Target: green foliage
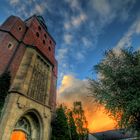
x=72, y=126
x=60, y=129
x=118, y=86
x=4, y=87
x=69, y=124
x=80, y=120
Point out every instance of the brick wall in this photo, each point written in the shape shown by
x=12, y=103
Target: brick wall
x=5, y=52
x=11, y=50
x=37, y=36
x=19, y=35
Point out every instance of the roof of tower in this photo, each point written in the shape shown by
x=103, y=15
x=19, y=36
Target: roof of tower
x=42, y=21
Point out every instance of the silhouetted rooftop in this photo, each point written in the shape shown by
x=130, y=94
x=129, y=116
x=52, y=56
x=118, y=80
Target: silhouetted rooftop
x=113, y=135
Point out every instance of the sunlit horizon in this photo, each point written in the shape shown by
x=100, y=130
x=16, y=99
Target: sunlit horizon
x=73, y=89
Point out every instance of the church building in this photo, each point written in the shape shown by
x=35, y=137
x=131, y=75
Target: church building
x=27, y=51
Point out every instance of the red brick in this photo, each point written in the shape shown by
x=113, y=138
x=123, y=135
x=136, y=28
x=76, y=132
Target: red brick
x=22, y=34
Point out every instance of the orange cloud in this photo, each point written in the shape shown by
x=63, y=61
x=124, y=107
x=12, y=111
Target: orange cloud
x=73, y=89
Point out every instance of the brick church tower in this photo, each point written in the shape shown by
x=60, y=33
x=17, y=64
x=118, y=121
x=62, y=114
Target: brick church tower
x=27, y=50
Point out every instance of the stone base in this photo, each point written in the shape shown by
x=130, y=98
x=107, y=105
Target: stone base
x=16, y=106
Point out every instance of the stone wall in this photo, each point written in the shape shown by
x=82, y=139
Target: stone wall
x=16, y=106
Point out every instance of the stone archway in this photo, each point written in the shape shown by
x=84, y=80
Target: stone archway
x=28, y=127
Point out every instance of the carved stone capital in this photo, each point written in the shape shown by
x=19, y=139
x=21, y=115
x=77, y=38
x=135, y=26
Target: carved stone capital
x=23, y=103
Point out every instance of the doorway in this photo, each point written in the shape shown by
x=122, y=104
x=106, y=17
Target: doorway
x=27, y=128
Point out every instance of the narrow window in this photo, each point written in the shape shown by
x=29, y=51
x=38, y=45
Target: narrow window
x=10, y=45
x=39, y=28
x=37, y=34
x=49, y=48
x=45, y=35
x=19, y=28
x=44, y=42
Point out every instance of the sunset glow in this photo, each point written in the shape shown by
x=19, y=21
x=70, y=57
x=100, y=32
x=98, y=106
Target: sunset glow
x=99, y=121
x=73, y=89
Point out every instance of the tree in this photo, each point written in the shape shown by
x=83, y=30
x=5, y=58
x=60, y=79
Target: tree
x=118, y=86
x=4, y=87
x=80, y=120
x=60, y=129
x=72, y=126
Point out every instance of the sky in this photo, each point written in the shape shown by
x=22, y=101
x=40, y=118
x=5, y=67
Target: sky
x=83, y=30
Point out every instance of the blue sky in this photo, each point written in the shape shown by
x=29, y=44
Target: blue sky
x=83, y=29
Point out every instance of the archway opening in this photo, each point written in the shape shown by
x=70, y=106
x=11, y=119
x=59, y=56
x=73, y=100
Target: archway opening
x=28, y=127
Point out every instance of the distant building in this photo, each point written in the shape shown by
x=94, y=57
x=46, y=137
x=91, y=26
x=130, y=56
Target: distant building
x=114, y=135
x=27, y=50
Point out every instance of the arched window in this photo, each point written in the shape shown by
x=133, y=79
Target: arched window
x=27, y=128
x=24, y=125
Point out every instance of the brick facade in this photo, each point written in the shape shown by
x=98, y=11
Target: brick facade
x=27, y=50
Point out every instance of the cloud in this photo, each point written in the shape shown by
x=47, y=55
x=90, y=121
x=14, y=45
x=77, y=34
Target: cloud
x=61, y=53
x=87, y=43
x=76, y=21
x=102, y=7
x=67, y=25
x=107, y=10
x=14, y=2
x=126, y=40
x=27, y=8
x=64, y=66
x=74, y=4
x=80, y=56
x=68, y=39
x=73, y=89
x=137, y=26
x=39, y=9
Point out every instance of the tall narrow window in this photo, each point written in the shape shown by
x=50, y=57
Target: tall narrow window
x=37, y=34
x=45, y=36
x=44, y=42
x=39, y=81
